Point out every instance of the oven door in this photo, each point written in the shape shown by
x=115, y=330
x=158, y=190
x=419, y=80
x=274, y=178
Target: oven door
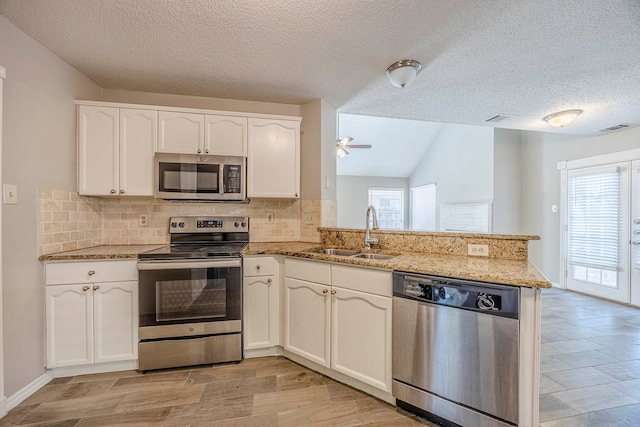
x=189, y=297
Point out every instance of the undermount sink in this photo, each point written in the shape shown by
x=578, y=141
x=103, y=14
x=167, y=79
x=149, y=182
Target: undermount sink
x=340, y=252
x=373, y=256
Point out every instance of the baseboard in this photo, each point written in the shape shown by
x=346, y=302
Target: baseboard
x=3, y=406
x=72, y=371
x=26, y=391
x=263, y=352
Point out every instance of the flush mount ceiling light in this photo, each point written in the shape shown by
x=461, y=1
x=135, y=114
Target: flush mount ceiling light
x=343, y=144
x=562, y=118
x=403, y=72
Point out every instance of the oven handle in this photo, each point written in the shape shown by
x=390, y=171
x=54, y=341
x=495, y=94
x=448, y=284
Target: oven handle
x=175, y=265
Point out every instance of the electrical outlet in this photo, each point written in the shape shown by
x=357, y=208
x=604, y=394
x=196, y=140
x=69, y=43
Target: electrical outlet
x=478, y=250
x=143, y=220
x=10, y=194
x=270, y=218
x=308, y=218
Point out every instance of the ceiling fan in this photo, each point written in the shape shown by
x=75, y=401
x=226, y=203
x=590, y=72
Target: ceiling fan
x=344, y=143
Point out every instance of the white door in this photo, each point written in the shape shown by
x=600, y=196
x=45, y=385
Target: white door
x=635, y=233
x=598, y=238
x=98, y=150
x=115, y=310
x=361, y=336
x=138, y=139
x=307, y=320
x=181, y=133
x=225, y=135
x=260, y=312
x=69, y=310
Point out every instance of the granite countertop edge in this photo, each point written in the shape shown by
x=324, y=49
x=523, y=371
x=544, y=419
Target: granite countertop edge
x=508, y=272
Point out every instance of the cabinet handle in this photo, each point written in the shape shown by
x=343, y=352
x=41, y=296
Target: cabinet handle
x=258, y=266
x=333, y=292
x=296, y=194
x=91, y=272
x=113, y=191
x=269, y=280
x=85, y=288
x=636, y=221
x=199, y=151
x=206, y=151
x=324, y=291
x=96, y=287
x=121, y=191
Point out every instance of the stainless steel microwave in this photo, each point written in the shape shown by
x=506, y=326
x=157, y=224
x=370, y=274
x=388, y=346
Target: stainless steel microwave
x=200, y=177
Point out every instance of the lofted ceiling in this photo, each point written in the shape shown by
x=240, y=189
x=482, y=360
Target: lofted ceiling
x=521, y=58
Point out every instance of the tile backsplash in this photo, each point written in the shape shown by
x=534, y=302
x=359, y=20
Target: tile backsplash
x=68, y=221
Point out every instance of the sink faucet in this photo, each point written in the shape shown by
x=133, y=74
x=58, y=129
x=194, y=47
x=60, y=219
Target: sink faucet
x=368, y=240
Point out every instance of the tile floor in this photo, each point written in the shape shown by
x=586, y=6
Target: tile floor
x=590, y=376
x=257, y=392
x=590, y=362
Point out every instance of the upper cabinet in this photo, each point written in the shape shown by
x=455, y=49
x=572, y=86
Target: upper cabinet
x=190, y=133
x=115, y=151
x=273, y=164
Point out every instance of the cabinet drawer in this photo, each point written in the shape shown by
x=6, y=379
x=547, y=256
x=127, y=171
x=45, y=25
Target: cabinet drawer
x=363, y=279
x=310, y=271
x=80, y=272
x=258, y=266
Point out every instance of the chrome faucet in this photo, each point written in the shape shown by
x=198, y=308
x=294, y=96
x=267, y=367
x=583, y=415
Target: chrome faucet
x=368, y=240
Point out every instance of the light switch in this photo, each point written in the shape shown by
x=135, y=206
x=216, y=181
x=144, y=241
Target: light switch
x=10, y=194
x=554, y=208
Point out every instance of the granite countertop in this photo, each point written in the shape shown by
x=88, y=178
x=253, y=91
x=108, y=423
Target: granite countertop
x=100, y=252
x=509, y=272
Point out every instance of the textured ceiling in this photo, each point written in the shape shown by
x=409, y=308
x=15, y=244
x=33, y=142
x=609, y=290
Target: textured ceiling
x=480, y=58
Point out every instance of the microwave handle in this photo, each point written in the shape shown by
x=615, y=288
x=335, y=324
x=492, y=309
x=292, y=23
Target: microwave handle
x=221, y=179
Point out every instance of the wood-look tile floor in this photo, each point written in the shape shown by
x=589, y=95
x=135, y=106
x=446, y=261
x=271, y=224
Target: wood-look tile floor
x=590, y=362
x=270, y=391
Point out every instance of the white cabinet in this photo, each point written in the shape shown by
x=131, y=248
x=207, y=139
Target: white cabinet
x=193, y=133
x=115, y=151
x=340, y=317
x=273, y=168
x=261, y=303
x=94, y=317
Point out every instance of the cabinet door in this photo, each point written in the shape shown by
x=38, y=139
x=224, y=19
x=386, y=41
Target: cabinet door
x=180, y=132
x=97, y=150
x=260, y=312
x=225, y=135
x=115, y=311
x=307, y=320
x=361, y=336
x=273, y=159
x=69, y=313
x=138, y=139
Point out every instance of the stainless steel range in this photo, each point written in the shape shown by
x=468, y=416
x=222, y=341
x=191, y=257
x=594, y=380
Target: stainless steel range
x=190, y=294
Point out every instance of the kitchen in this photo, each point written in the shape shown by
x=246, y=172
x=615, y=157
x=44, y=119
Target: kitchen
x=43, y=156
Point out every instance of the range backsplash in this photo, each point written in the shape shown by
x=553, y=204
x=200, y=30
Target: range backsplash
x=68, y=221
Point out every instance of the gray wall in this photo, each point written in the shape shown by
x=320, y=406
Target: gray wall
x=39, y=150
x=541, y=185
x=506, y=181
x=353, y=197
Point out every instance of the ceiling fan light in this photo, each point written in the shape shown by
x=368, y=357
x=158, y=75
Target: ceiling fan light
x=403, y=72
x=341, y=152
x=562, y=118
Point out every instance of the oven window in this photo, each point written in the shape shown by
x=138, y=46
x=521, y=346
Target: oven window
x=190, y=299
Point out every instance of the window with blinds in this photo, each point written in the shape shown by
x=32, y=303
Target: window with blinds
x=389, y=204
x=594, y=224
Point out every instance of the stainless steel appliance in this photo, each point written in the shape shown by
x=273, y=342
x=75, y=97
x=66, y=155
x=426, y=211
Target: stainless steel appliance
x=456, y=349
x=190, y=294
x=200, y=177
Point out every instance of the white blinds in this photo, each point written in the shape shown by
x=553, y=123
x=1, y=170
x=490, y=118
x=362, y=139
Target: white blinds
x=595, y=215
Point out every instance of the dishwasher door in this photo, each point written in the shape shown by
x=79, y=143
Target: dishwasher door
x=465, y=357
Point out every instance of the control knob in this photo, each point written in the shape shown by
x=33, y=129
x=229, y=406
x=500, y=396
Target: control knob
x=243, y=224
x=237, y=224
x=181, y=224
x=442, y=293
x=174, y=225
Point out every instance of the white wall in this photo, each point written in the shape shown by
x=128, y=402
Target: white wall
x=460, y=162
x=506, y=181
x=39, y=150
x=352, y=193
x=541, y=185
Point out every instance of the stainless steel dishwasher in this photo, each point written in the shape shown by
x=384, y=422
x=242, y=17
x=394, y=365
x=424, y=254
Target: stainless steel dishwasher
x=456, y=350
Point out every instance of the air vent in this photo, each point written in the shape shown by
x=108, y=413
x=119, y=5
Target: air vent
x=617, y=128
x=498, y=118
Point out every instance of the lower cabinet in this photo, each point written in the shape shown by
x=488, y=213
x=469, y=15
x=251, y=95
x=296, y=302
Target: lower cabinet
x=340, y=327
x=91, y=321
x=261, y=303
